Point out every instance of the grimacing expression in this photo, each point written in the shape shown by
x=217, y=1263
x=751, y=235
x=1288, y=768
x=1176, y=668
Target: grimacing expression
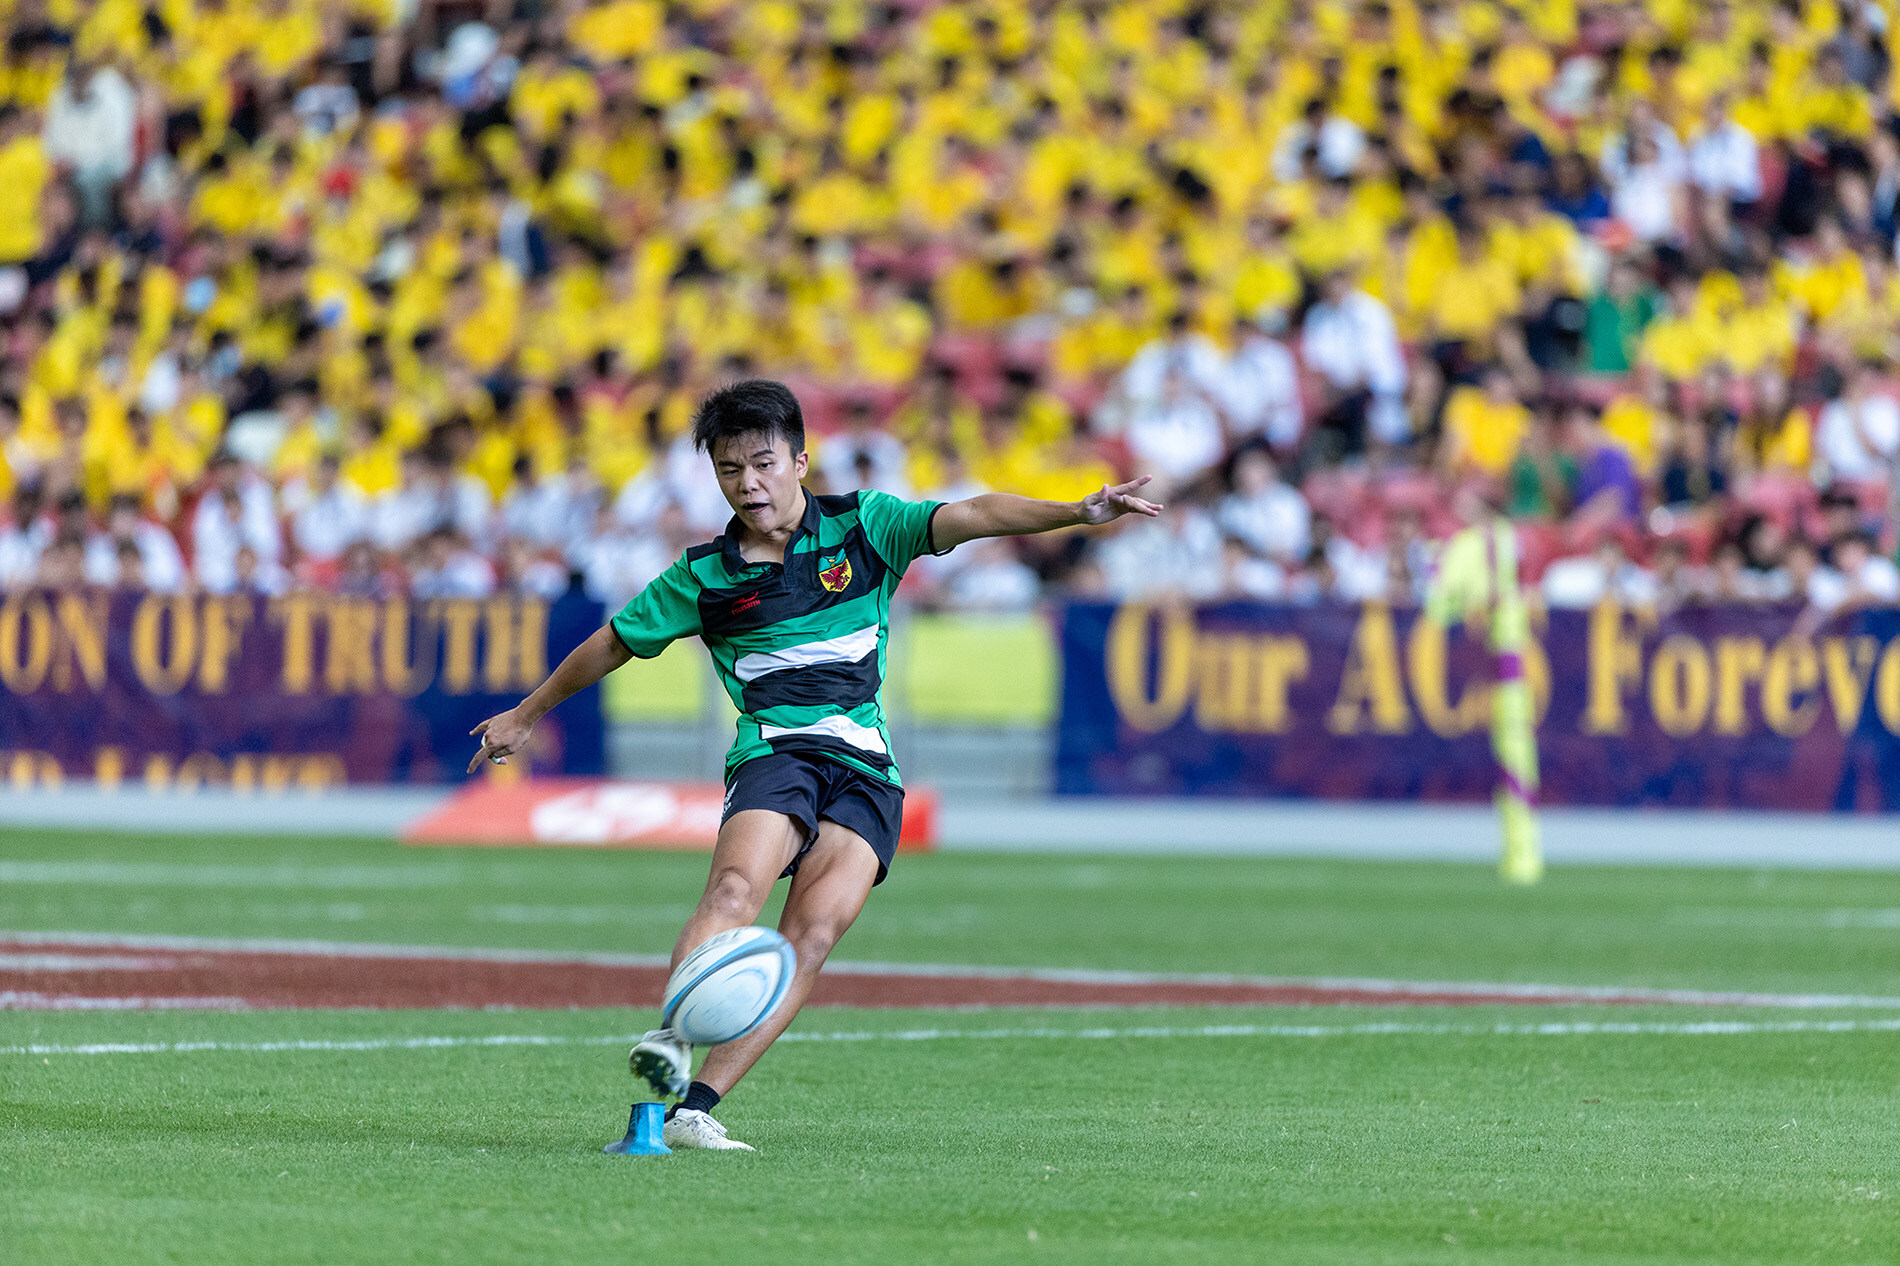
x=760, y=478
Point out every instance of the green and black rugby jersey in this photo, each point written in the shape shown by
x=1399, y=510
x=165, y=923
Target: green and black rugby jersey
x=800, y=644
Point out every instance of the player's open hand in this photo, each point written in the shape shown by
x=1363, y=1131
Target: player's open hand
x=1112, y=503
x=502, y=736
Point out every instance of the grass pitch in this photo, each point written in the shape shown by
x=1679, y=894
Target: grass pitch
x=1321, y=1135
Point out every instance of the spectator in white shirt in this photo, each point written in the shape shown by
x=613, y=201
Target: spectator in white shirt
x=1176, y=434
x=256, y=576
x=554, y=513
x=1261, y=389
x=1247, y=575
x=620, y=559
x=1859, y=433
x=863, y=456
x=1262, y=511
x=1580, y=583
x=1178, y=553
x=993, y=579
x=409, y=511
x=91, y=126
x=236, y=510
x=1335, y=141
x=447, y=568
x=161, y=566
x=1642, y=125
x=23, y=539
x=328, y=105
x=1724, y=160
x=1187, y=354
x=326, y=515
x=1646, y=191
x=1349, y=341
x=1859, y=578
x=520, y=570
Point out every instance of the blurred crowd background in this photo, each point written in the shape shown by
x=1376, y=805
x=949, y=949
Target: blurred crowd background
x=418, y=295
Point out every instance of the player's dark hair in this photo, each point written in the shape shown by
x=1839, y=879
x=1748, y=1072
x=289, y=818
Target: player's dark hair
x=756, y=406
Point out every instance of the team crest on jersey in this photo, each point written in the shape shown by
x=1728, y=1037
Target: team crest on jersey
x=834, y=572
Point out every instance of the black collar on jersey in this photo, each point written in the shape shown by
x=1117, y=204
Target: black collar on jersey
x=736, y=563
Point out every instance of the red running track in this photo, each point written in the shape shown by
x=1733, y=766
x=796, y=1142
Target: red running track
x=40, y=974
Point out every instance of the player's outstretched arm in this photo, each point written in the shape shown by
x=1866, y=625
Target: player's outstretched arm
x=1001, y=514
x=506, y=734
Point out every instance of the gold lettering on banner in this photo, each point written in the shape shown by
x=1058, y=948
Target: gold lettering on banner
x=1887, y=688
x=164, y=663
x=321, y=771
x=458, y=617
x=1241, y=682
x=1793, y=669
x=1371, y=694
x=1679, y=686
x=28, y=769
x=224, y=621
x=26, y=642
x=158, y=772
x=1425, y=662
x=200, y=769
x=1127, y=663
x=277, y=772
x=1738, y=661
x=1282, y=661
x=517, y=642
x=402, y=674
x=296, y=615
x=108, y=768
x=82, y=641
x=1616, y=663
x=349, y=655
x=1850, y=667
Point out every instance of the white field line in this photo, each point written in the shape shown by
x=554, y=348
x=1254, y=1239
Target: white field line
x=1636, y=1028
x=83, y=962
x=223, y=875
x=1362, y=984
x=11, y=999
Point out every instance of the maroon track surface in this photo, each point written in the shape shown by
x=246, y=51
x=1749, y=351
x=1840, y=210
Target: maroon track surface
x=42, y=975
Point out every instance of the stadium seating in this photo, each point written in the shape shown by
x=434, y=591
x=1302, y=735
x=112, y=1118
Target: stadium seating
x=486, y=257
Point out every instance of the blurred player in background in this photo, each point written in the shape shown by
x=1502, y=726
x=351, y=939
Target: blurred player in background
x=1477, y=581
x=793, y=603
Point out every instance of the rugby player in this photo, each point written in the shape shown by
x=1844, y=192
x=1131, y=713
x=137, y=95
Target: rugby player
x=794, y=605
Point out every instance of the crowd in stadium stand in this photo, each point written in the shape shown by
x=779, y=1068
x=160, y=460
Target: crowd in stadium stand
x=418, y=295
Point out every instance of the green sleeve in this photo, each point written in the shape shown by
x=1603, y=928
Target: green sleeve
x=898, y=530
x=662, y=613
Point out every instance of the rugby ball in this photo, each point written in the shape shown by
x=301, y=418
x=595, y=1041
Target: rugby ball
x=729, y=985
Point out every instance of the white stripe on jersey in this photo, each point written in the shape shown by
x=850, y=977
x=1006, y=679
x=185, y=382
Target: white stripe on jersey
x=863, y=737
x=846, y=648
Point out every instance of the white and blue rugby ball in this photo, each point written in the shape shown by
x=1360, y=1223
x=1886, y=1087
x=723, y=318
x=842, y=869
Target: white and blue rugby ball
x=729, y=985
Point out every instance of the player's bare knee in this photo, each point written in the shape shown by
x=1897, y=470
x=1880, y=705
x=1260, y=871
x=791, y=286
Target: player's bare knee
x=732, y=894
x=814, y=937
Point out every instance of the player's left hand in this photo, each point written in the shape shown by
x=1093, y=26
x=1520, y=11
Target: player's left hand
x=502, y=737
x=1112, y=503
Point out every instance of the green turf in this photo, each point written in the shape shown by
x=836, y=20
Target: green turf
x=1702, y=928
x=1732, y=1148
x=1466, y=1144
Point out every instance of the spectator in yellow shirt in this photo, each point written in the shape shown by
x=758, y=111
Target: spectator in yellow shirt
x=24, y=171
x=1484, y=427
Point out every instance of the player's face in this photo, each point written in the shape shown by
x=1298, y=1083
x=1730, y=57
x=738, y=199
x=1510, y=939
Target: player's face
x=760, y=478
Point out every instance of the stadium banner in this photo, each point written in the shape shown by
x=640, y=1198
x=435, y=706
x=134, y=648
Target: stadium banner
x=611, y=813
x=1709, y=707
x=304, y=690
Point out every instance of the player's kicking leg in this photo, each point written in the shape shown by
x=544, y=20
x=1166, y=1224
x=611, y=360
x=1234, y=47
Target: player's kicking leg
x=754, y=848
x=833, y=880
